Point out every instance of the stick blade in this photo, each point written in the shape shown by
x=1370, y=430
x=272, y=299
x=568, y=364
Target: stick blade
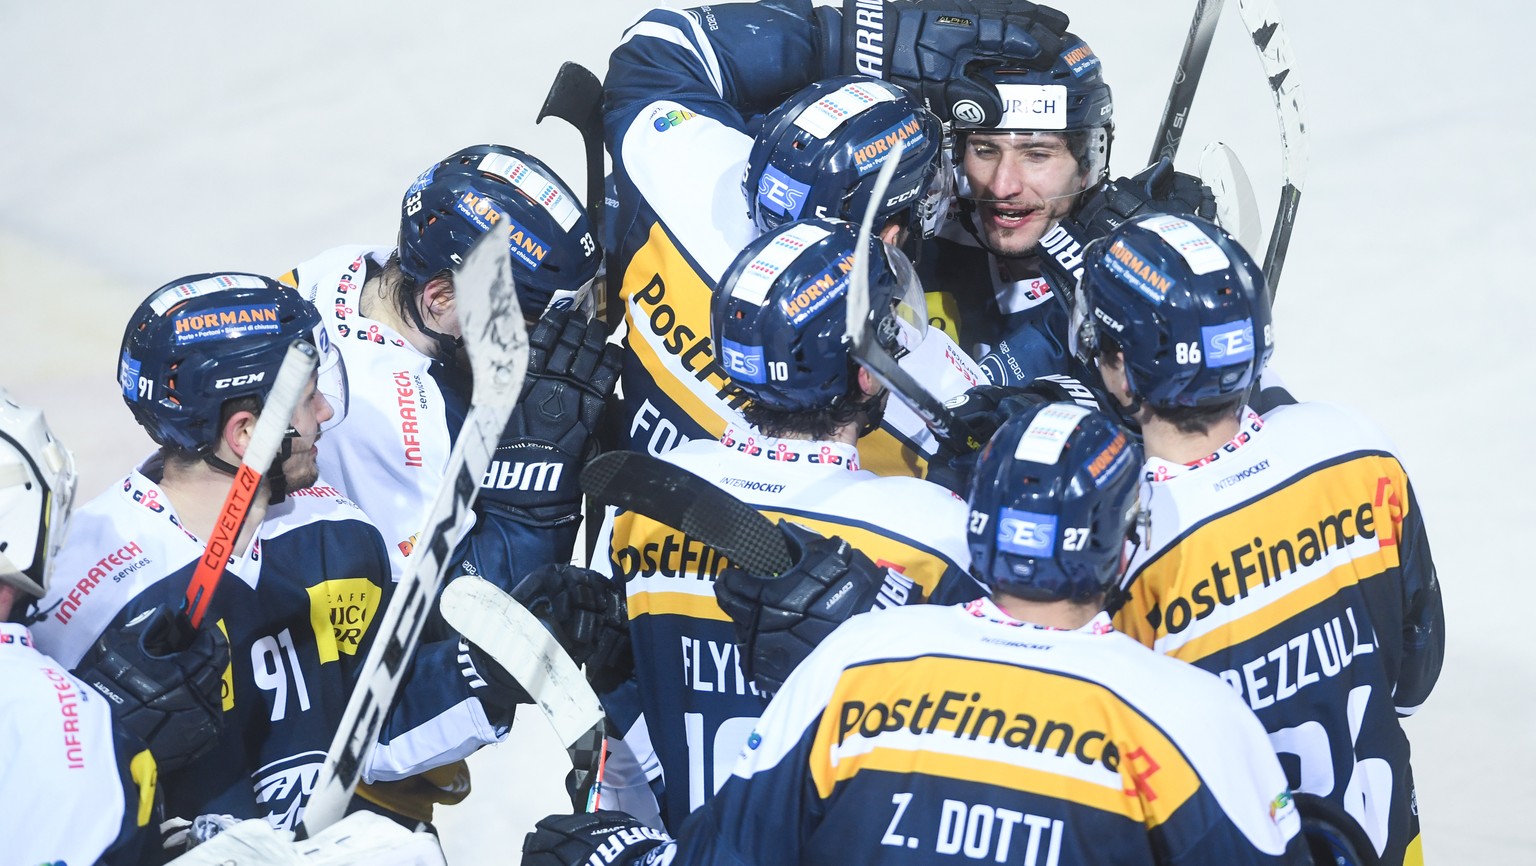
x=1237, y=206
x=575, y=96
x=672, y=495
x=491, y=318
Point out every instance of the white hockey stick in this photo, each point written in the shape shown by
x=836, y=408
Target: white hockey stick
x=1237, y=208
x=266, y=438
x=497, y=342
x=1263, y=22
x=494, y=621
x=864, y=333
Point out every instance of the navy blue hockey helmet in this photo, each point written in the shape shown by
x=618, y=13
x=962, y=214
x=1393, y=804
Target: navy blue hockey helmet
x=817, y=155
x=778, y=321
x=1183, y=301
x=555, y=254
x=198, y=342
x=1070, y=97
x=1052, y=501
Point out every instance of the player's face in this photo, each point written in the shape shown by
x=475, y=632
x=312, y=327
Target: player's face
x=302, y=469
x=1023, y=183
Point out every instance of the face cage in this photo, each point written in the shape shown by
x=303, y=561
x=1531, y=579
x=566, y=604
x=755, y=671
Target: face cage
x=903, y=328
x=331, y=378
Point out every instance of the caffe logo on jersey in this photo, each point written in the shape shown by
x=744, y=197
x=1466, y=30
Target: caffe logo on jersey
x=781, y=193
x=226, y=323
x=1026, y=533
x=340, y=612
x=871, y=154
x=1130, y=267
x=1228, y=344
x=816, y=293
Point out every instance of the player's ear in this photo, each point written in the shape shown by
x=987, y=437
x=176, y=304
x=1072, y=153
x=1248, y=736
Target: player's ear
x=867, y=382
x=236, y=433
x=437, y=295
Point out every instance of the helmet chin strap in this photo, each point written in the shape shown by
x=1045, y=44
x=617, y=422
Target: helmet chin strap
x=277, y=483
x=448, y=347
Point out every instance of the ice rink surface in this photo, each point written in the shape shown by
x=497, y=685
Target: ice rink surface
x=142, y=142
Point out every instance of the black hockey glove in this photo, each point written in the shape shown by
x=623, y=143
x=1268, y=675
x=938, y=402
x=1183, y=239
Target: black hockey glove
x=162, y=678
x=607, y=837
x=779, y=620
x=925, y=46
x=986, y=407
x=1156, y=189
x=585, y=611
x=571, y=373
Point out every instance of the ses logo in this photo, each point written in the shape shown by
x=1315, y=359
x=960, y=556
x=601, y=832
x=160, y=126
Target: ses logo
x=1026, y=533
x=744, y=362
x=1228, y=344
x=781, y=193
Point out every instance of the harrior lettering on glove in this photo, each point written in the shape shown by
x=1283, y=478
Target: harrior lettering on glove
x=928, y=46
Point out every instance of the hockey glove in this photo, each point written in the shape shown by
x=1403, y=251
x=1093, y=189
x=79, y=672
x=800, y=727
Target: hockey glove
x=607, y=837
x=571, y=373
x=1156, y=189
x=926, y=45
x=585, y=611
x=163, y=680
x=986, y=407
x=779, y=620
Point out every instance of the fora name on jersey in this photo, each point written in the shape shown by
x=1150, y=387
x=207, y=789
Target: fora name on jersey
x=1270, y=562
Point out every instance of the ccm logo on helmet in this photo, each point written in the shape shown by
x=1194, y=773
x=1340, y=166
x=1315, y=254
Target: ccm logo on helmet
x=237, y=381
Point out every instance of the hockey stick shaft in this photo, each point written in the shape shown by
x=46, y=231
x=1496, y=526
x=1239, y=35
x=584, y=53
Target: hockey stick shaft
x=497, y=342
x=1262, y=19
x=863, y=325
x=1186, y=79
x=671, y=495
x=266, y=438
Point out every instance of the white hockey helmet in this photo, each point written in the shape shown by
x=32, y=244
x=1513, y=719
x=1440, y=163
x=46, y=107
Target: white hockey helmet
x=37, y=485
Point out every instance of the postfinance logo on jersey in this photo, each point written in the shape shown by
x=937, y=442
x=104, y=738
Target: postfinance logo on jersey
x=1257, y=566
x=1028, y=729
x=340, y=612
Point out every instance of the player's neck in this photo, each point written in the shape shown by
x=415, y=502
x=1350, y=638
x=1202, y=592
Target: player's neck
x=197, y=492
x=1165, y=441
x=378, y=304
x=1052, y=614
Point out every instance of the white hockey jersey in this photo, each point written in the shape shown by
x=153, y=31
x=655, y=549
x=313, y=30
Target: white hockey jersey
x=71, y=792
x=958, y=734
x=389, y=453
x=300, y=607
x=696, y=704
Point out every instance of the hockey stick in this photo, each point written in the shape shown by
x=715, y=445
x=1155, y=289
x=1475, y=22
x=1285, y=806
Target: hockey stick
x=672, y=495
x=864, y=332
x=260, y=452
x=1263, y=21
x=494, y=621
x=1186, y=78
x=497, y=342
x=576, y=97
x=1237, y=208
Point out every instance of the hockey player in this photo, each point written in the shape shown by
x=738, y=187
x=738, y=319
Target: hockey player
x=391, y=314
x=683, y=93
x=299, y=597
x=1020, y=728
x=1287, y=552
x=778, y=320
x=76, y=787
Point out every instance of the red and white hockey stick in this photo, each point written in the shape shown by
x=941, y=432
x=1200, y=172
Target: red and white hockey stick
x=271, y=426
